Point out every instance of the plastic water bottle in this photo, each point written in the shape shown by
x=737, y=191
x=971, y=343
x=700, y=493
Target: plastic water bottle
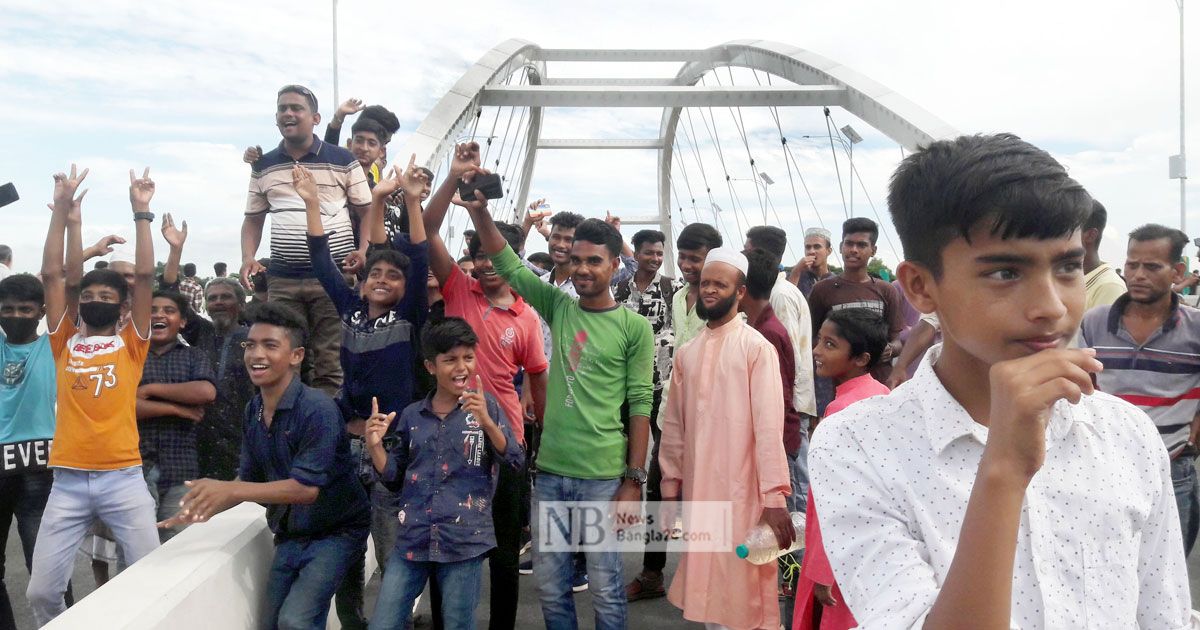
x=761, y=547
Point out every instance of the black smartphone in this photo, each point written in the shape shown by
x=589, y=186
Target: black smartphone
x=8, y=194
x=490, y=185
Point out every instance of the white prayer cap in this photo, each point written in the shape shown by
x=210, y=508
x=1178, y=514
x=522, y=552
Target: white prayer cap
x=729, y=256
x=121, y=253
x=822, y=232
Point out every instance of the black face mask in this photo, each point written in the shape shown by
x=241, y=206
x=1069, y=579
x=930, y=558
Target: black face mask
x=99, y=314
x=19, y=329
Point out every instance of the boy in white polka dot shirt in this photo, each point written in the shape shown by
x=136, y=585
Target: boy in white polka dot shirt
x=997, y=488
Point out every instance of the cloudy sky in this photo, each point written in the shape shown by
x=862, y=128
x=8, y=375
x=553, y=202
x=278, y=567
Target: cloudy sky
x=184, y=87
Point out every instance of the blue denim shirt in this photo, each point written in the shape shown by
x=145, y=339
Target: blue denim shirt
x=307, y=442
x=447, y=471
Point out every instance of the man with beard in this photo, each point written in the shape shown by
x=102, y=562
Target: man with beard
x=726, y=406
x=219, y=435
x=1150, y=347
x=651, y=295
x=603, y=358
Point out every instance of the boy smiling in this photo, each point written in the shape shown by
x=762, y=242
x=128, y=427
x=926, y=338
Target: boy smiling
x=997, y=486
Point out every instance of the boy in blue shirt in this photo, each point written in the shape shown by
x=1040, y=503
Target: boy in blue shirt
x=380, y=323
x=27, y=393
x=445, y=460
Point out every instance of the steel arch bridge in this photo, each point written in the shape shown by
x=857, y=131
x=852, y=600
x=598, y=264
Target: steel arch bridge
x=514, y=75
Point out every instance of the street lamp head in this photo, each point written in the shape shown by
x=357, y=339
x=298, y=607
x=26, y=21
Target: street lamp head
x=766, y=178
x=851, y=134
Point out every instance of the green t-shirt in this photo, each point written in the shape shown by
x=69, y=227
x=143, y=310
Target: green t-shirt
x=600, y=360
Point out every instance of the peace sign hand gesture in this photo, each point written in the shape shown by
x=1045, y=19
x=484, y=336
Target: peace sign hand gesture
x=64, y=192
x=378, y=425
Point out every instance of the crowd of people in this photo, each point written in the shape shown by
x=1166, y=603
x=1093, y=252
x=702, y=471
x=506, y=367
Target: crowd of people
x=1004, y=435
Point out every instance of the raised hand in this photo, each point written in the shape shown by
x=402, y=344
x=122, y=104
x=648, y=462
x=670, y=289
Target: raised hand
x=466, y=157
x=611, y=220
x=474, y=403
x=378, y=424
x=474, y=204
x=349, y=107
x=413, y=179
x=174, y=236
x=305, y=185
x=141, y=190
x=354, y=261
x=252, y=154
x=64, y=191
x=102, y=247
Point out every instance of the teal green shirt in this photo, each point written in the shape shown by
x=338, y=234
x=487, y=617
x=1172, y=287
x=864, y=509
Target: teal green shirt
x=600, y=360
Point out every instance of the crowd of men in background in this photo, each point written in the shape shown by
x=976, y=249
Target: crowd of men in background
x=366, y=380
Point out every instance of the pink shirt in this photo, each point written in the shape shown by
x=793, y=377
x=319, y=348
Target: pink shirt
x=509, y=338
x=854, y=390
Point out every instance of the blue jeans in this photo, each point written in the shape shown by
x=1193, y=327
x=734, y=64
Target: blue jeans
x=118, y=498
x=1187, y=499
x=798, y=472
x=304, y=575
x=553, y=570
x=403, y=581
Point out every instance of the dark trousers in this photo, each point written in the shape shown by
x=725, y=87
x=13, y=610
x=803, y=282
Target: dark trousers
x=22, y=496
x=504, y=560
x=654, y=560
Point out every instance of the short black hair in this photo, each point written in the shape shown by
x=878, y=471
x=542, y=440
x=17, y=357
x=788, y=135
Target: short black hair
x=189, y=270
x=647, y=236
x=378, y=120
x=600, y=233
x=302, y=91
x=856, y=225
x=388, y=255
x=1013, y=188
x=565, y=220
x=540, y=258
x=100, y=264
x=445, y=335
x=864, y=329
x=1097, y=218
x=762, y=272
x=220, y=268
x=1154, y=232
x=181, y=302
x=698, y=236
x=283, y=316
x=464, y=258
x=511, y=233
x=108, y=278
x=769, y=237
x=22, y=287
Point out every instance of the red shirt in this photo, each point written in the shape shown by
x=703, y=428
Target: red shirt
x=509, y=338
x=772, y=329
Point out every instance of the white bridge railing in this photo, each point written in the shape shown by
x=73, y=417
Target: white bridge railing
x=212, y=575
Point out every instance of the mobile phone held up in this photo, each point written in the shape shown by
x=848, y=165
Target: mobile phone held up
x=8, y=194
x=490, y=185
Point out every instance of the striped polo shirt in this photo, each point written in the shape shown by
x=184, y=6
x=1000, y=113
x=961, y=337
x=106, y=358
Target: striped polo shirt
x=1160, y=376
x=340, y=180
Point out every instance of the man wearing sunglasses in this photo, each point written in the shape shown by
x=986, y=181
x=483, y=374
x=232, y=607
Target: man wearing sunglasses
x=343, y=189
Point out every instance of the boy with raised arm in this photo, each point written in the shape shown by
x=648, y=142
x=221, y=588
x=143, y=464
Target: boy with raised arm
x=380, y=322
x=510, y=339
x=603, y=356
x=97, y=466
x=996, y=488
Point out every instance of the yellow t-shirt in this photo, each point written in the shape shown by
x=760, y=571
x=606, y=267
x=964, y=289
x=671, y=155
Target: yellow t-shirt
x=98, y=379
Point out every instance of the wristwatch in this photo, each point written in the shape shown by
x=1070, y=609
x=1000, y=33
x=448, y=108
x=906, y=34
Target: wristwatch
x=637, y=475
x=143, y=216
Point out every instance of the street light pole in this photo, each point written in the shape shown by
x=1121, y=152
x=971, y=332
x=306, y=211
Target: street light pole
x=335, y=56
x=1182, y=150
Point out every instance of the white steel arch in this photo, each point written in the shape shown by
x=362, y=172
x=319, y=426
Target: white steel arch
x=813, y=80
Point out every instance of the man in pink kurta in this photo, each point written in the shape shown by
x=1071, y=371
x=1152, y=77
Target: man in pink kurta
x=722, y=440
